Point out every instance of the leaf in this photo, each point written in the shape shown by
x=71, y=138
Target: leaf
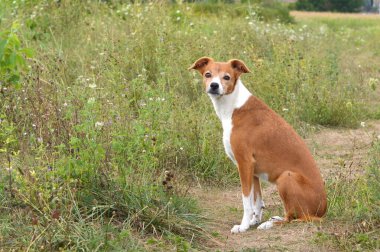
x=14, y=79
x=28, y=52
x=12, y=59
x=2, y=47
x=20, y=60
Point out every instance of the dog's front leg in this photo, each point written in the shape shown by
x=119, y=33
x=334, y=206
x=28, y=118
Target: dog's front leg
x=246, y=175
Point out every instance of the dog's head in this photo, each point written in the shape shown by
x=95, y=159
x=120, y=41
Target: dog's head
x=219, y=78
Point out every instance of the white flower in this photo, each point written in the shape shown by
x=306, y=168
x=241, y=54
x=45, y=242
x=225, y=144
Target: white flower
x=362, y=124
x=93, y=85
x=91, y=100
x=285, y=109
x=181, y=148
x=99, y=125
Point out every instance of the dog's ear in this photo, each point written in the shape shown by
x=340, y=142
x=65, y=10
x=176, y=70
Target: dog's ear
x=239, y=66
x=200, y=64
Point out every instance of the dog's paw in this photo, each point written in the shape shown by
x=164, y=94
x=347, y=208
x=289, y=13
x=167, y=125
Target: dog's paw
x=254, y=221
x=239, y=229
x=269, y=224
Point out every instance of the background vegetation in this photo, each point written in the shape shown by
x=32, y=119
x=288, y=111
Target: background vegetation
x=330, y=5
x=103, y=131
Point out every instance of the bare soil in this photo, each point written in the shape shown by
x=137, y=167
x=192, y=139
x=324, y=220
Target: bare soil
x=333, y=149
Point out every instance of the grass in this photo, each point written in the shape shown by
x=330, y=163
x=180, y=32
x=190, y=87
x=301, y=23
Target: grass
x=354, y=199
x=104, y=109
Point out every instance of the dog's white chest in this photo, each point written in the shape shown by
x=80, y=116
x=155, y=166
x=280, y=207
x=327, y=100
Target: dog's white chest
x=227, y=129
x=225, y=107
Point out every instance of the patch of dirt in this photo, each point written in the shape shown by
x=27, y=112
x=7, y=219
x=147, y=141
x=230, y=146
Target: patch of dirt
x=333, y=149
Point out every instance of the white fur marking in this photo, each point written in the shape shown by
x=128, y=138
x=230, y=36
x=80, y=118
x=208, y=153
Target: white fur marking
x=248, y=213
x=224, y=107
x=216, y=80
x=270, y=223
x=257, y=211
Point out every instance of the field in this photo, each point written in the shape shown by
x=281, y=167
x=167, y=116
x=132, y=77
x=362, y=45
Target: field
x=108, y=142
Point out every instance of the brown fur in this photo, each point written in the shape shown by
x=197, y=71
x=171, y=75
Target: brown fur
x=263, y=142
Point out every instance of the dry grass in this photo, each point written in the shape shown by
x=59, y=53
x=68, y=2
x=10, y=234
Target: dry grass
x=300, y=15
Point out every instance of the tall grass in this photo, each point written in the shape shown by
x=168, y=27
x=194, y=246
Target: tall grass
x=105, y=109
x=355, y=198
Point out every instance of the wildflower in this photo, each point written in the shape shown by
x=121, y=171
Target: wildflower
x=362, y=124
x=93, y=85
x=99, y=125
x=91, y=100
x=285, y=109
x=181, y=148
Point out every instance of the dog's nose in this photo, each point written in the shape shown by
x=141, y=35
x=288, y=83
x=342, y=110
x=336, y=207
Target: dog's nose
x=214, y=86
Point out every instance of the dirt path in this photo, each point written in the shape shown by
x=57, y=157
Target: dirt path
x=334, y=149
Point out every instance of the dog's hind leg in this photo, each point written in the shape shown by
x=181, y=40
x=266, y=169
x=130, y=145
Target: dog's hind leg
x=301, y=200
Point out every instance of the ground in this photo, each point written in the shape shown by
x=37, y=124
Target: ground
x=333, y=149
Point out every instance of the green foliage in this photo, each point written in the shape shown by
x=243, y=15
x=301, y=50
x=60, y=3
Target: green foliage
x=11, y=57
x=330, y=5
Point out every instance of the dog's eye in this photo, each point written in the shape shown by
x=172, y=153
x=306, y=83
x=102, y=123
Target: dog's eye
x=208, y=75
x=227, y=77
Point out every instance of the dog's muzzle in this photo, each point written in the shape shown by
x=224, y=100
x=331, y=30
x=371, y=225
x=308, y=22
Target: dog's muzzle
x=214, y=88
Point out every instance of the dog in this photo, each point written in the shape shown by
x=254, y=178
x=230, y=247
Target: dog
x=263, y=146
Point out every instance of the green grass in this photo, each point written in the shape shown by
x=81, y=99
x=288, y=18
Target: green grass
x=104, y=106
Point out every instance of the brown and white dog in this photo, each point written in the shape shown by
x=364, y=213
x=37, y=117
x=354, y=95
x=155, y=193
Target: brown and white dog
x=263, y=146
